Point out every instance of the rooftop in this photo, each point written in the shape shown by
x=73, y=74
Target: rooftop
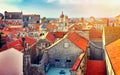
x=95, y=67
x=95, y=34
x=77, y=62
x=75, y=38
x=14, y=44
x=113, y=50
x=111, y=34
x=78, y=40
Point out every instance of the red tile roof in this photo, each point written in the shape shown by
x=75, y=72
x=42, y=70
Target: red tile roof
x=95, y=34
x=95, y=67
x=5, y=32
x=36, y=26
x=5, y=38
x=12, y=31
x=75, y=27
x=111, y=34
x=51, y=27
x=17, y=44
x=77, y=62
x=1, y=22
x=78, y=40
x=14, y=44
x=29, y=40
x=59, y=34
x=113, y=50
x=50, y=37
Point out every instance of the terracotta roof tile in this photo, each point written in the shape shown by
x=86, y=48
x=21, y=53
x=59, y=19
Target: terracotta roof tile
x=59, y=34
x=95, y=34
x=113, y=50
x=51, y=27
x=5, y=32
x=77, y=62
x=14, y=44
x=75, y=27
x=78, y=40
x=111, y=34
x=17, y=44
x=95, y=67
x=50, y=37
x=29, y=40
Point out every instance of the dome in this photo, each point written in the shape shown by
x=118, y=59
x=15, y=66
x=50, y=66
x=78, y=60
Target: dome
x=62, y=15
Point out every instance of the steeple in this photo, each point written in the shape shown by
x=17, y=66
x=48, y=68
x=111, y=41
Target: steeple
x=62, y=15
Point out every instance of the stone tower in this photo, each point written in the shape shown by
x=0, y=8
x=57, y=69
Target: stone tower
x=26, y=58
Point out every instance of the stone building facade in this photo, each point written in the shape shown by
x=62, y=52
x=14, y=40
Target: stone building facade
x=32, y=18
x=14, y=17
x=63, y=54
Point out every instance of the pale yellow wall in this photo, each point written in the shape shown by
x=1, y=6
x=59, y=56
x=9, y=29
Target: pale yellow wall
x=109, y=66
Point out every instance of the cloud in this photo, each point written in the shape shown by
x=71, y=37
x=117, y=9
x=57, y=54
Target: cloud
x=7, y=7
x=65, y=1
x=98, y=8
x=102, y=2
x=4, y=1
x=50, y=1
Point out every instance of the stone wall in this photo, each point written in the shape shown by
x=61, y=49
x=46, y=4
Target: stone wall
x=36, y=70
x=63, y=56
x=82, y=66
x=96, y=52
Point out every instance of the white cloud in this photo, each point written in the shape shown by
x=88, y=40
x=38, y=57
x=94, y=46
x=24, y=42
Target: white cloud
x=103, y=2
x=7, y=7
x=65, y=1
x=89, y=7
x=50, y=1
x=11, y=1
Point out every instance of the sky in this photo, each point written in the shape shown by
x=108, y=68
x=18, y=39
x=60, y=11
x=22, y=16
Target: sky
x=71, y=8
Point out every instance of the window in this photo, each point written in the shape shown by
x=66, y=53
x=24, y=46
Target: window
x=57, y=60
x=30, y=17
x=68, y=60
x=66, y=45
x=10, y=16
x=41, y=34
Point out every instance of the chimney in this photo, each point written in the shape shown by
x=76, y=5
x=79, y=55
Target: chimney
x=26, y=64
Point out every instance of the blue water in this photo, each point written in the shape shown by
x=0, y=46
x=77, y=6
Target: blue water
x=52, y=19
x=55, y=71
